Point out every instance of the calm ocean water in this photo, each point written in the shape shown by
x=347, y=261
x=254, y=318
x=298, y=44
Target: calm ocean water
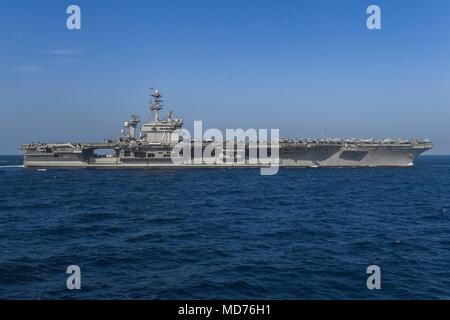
x=193, y=234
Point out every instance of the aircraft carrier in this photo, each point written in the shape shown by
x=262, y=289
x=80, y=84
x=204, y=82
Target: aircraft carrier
x=159, y=143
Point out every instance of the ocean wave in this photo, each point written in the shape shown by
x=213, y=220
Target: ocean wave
x=297, y=235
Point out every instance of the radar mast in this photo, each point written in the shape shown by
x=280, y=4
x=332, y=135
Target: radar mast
x=156, y=103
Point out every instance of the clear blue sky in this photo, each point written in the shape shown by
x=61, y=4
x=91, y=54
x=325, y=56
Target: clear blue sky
x=295, y=65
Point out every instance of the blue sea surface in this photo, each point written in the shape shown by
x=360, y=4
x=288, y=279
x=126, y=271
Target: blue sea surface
x=225, y=234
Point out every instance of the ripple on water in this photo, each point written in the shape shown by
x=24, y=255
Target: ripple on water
x=230, y=234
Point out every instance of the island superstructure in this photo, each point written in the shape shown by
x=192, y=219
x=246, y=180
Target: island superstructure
x=155, y=144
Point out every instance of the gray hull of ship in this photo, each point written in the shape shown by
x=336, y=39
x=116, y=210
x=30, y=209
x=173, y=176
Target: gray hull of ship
x=316, y=157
